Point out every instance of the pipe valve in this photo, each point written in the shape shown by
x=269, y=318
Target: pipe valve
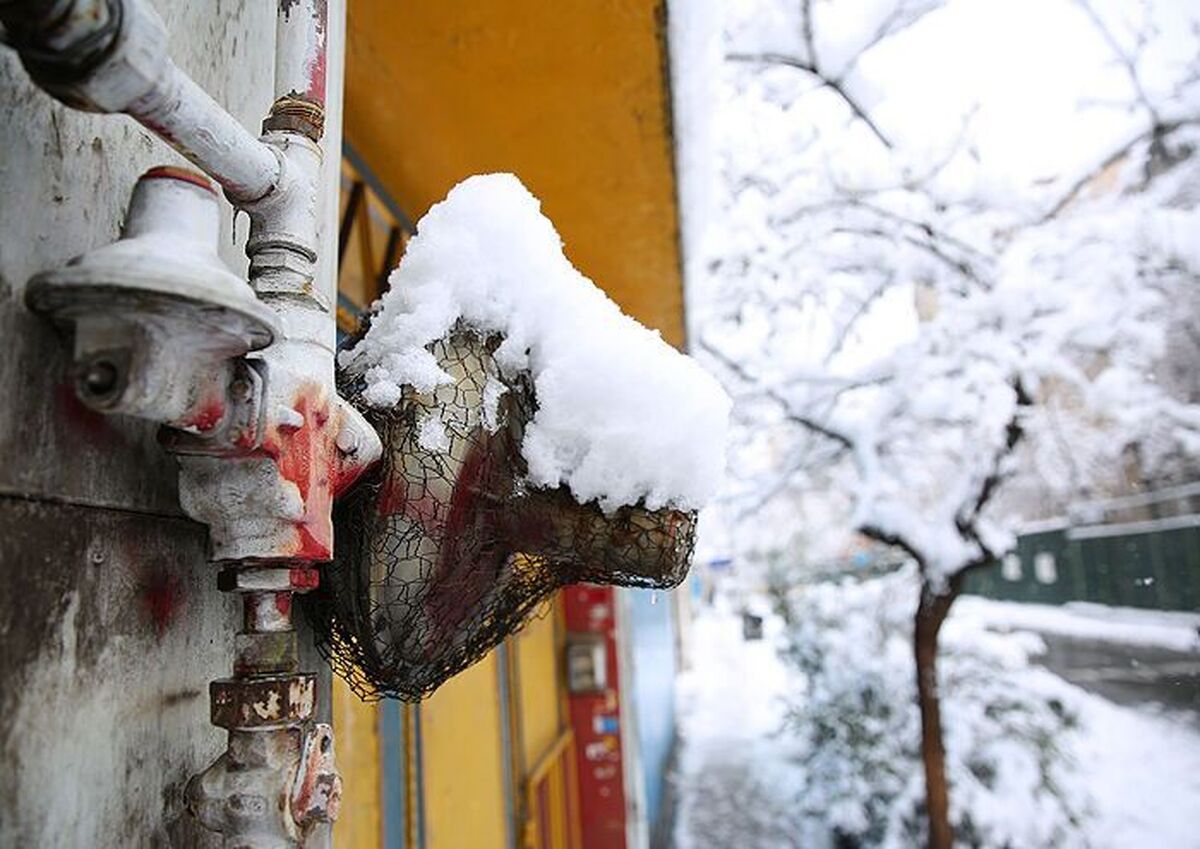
x=160, y=323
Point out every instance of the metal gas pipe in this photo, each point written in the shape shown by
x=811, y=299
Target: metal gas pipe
x=241, y=377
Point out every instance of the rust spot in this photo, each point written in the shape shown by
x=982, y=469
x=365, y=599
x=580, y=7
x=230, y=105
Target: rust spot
x=184, y=175
x=255, y=702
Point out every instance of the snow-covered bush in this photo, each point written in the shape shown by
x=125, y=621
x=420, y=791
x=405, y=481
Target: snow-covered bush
x=1008, y=735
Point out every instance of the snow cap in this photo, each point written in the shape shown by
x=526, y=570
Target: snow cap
x=622, y=417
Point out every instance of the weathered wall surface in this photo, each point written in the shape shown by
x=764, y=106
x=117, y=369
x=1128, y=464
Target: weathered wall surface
x=110, y=623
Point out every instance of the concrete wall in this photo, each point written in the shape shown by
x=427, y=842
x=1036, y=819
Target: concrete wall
x=110, y=622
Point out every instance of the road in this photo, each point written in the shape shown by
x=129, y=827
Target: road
x=1136, y=676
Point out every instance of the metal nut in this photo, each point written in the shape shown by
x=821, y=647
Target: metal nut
x=262, y=702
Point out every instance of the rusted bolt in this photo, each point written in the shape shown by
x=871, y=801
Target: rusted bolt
x=264, y=702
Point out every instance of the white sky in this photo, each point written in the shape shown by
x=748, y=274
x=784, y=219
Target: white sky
x=1038, y=72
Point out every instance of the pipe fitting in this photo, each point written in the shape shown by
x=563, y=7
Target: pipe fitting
x=275, y=503
x=236, y=795
x=283, y=225
x=163, y=331
x=277, y=777
x=296, y=115
x=78, y=50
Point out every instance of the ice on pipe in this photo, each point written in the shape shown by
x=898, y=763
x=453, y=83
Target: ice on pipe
x=622, y=417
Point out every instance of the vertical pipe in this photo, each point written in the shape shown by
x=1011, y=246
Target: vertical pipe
x=395, y=764
x=300, y=50
x=334, y=22
x=301, y=59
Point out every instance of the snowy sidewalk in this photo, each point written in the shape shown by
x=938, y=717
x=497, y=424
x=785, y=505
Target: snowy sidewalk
x=733, y=772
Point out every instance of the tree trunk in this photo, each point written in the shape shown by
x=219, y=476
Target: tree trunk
x=931, y=613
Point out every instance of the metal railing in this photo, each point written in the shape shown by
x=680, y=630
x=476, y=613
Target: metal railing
x=372, y=234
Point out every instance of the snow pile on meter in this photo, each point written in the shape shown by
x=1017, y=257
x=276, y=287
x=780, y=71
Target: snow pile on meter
x=622, y=417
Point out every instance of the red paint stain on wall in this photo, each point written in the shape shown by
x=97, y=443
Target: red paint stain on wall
x=162, y=598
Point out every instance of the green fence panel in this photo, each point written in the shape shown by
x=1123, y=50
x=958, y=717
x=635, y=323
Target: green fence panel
x=1155, y=568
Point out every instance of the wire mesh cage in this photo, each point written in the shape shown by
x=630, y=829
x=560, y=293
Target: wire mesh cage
x=444, y=549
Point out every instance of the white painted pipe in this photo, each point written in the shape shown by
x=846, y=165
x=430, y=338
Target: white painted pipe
x=187, y=118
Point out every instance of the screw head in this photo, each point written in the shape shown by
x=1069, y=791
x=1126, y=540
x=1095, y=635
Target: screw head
x=348, y=440
x=240, y=390
x=99, y=378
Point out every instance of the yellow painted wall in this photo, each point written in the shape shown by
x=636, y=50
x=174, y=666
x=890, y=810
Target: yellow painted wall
x=539, y=664
x=463, y=762
x=356, y=727
x=571, y=95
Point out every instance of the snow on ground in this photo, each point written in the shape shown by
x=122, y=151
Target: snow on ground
x=739, y=774
x=621, y=416
x=1175, y=630
x=1143, y=772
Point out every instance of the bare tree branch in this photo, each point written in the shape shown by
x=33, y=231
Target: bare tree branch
x=806, y=31
x=1158, y=131
x=803, y=419
x=837, y=86
x=1127, y=62
x=968, y=522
